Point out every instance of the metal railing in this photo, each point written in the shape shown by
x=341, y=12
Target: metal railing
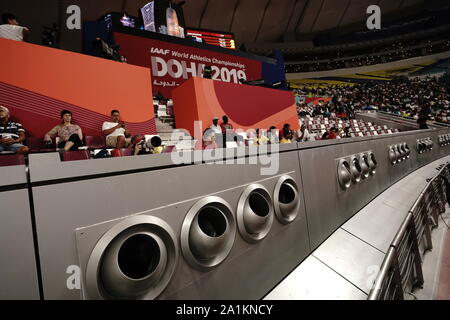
x=401, y=270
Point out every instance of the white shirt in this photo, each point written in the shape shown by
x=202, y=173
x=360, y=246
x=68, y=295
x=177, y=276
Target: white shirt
x=306, y=135
x=12, y=32
x=216, y=129
x=116, y=133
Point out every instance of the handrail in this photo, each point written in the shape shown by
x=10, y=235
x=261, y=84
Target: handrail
x=390, y=261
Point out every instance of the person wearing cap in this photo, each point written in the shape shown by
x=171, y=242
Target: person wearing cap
x=215, y=126
x=12, y=134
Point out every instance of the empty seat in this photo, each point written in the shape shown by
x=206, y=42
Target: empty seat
x=169, y=149
x=37, y=145
x=95, y=142
x=76, y=155
x=121, y=152
x=12, y=160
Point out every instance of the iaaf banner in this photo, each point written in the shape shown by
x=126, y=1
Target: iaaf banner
x=172, y=64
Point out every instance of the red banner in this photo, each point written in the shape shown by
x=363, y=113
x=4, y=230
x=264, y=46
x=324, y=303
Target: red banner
x=172, y=64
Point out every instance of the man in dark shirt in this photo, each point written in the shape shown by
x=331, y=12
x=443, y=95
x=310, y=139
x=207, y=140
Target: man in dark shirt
x=12, y=134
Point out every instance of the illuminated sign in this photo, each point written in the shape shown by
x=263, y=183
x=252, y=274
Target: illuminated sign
x=225, y=40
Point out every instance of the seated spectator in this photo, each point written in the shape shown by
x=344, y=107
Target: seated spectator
x=286, y=126
x=215, y=126
x=70, y=135
x=304, y=134
x=227, y=131
x=12, y=134
x=333, y=133
x=287, y=136
x=156, y=145
x=138, y=146
x=347, y=132
x=226, y=127
x=326, y=135
x=260, y=138
x=10, y=28
x=116, y=132
x=273, y=135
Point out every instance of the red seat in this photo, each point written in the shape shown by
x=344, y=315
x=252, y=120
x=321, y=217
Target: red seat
x=95, y=142
x=12, y=160
x=121, y=153
x=170, y=149
x=76, y=155
x=36, y=145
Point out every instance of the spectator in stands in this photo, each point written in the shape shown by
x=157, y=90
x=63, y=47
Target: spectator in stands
x=333, y=133
x=326, y=135
x=156, y=145
x=347, y=132
x=138, y=145
x=225, y=126
x=227, y=131
x=116, y=132
x=10, y=28
x=424, y=115
x=12, y=134
x=304, y=134
x=215, y=126
x=273, y=135
x=286, y=126
x=70, y=135
x=287, y=136
x=260, y=138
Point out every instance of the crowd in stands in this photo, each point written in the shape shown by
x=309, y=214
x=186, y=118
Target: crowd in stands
x=420, y=98
x=68, y=137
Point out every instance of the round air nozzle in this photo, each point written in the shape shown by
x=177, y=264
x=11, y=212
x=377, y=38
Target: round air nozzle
x=407, y=150
x=208, y=232
x=255, y=213
x=420, y=146
x=393, y=155
x=286, y=199
x=134, y=263
x=135, y=259
x=355, y=170
x=372, y=163
x=365, y=167
x=430, y=144
x=344, y=175
x=403, y=151
x=398, y=153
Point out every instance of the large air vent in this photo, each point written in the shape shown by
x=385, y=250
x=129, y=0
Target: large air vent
x=208, y=233
x=372, y=163
x=133, y=260
x=365, y=167
x=344, y=175
x=255, y=213
x=286, y=199
x=355, y=170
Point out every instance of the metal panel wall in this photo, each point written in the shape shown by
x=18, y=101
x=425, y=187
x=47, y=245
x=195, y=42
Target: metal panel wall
x=18, y=276
x=77, y=205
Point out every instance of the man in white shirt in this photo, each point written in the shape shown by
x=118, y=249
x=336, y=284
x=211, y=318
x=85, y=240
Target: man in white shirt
x=215, y=126
x=10, y=28
x=304, y=134
x=117, y=135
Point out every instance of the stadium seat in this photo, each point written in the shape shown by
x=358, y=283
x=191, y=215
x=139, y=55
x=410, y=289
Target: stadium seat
x=169, y=149
x=36, y=145
x=115, y=153
x=95, y=142
x=12, y=160
x=76, y=155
